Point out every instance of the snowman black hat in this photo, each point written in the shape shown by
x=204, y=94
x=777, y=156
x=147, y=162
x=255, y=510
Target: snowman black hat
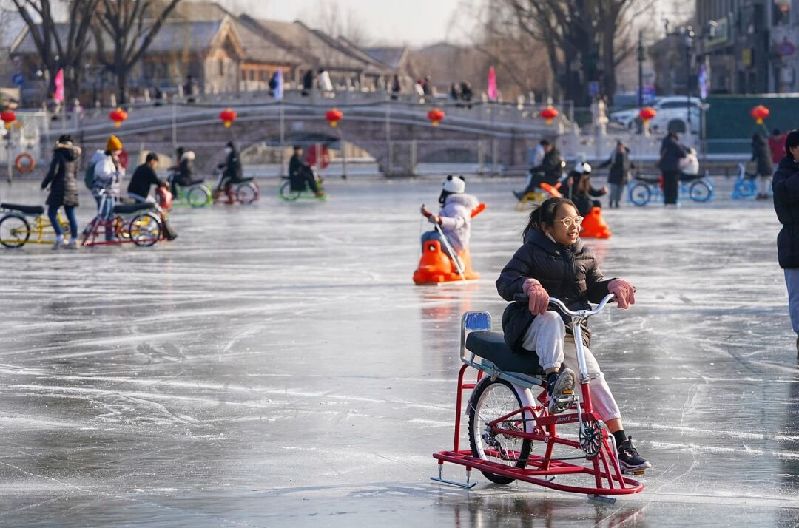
x=455, y=184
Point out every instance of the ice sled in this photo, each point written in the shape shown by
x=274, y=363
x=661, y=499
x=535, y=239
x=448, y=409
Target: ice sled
x=594, y=225
x=436, y=266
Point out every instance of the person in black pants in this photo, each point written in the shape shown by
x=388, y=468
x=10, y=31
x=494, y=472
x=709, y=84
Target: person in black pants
x=671, y=152
x=139, y=189
x=300, y=174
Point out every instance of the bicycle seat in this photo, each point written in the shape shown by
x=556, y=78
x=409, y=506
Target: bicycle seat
x=244, y=180
x=195, y=182
x=648, y=179
x=132, y=208
x=492, y=346
x=24, y=209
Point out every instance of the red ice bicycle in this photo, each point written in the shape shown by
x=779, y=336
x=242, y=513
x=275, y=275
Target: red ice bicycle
x=512, y=436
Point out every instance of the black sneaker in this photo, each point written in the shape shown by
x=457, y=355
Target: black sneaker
x=560, y=388
x=629, y=459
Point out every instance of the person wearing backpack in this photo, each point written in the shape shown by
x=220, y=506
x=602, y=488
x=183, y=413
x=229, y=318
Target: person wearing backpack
x=105, y=185
x=63, y=190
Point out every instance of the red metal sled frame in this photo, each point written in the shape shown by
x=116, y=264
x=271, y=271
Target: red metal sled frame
x=604, y=467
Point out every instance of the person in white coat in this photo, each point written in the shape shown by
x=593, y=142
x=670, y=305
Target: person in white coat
x=455, y=216
x=108, y=171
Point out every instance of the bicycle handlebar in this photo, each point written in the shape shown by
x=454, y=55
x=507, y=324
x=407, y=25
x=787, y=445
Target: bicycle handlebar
x=572, y=313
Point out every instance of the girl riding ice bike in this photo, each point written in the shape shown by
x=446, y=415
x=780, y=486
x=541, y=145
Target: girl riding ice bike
x=554, y=262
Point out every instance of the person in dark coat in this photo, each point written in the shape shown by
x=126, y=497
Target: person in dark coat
x=553, y=261
x=143, y=178
x=550, y=170
x=231, y=171
x=61, y=178
x=308, y=81
x=761, y=155
x=619, y=173
x=577, y=188
x=300, y=174
x=785, y=189
x=671, y=152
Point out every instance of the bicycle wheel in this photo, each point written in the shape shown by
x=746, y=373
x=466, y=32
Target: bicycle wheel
x=490, y=400
x=744, y=188
x=247, y=193
x=145, y=229
x=198, y=196
x=14, y=231
x=287, y=194
x=700, y=191
x=640, y=194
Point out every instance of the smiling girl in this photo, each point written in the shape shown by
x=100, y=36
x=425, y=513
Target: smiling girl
x=554, y=262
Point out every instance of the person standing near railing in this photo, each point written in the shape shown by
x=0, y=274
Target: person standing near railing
x=761, y=156
x=619, y=174
x=671, y=152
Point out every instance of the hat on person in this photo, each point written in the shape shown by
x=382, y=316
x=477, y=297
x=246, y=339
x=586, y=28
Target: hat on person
x=114, y=143
x=65, y=139
x=582, y=167
x=188, y=155
x=454, y=184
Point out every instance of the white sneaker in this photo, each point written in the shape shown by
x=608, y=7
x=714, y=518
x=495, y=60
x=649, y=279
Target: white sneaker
x=58, y=244
x=561, y=390
x=72, y=244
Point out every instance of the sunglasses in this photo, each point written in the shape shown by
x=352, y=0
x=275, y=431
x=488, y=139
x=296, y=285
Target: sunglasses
x=571, y=221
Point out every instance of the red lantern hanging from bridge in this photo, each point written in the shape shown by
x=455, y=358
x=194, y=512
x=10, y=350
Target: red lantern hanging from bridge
x=759, y=113
x=227, y=116
x=8, y=117
x=435, y=115
x=333, y=116
x=647, y=114
x=549, y=114
x=118, y=116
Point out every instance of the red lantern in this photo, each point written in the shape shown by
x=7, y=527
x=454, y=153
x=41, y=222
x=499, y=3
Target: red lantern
x=435, y=115
x=333, y=116
x=227, y=116
x=117, y=116
x=549, y=114
x=8, y=118
x=647, y=114
x=759, y=113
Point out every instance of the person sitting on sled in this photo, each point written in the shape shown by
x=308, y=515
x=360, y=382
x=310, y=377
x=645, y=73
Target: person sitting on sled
x=455, y=217
x=553, y=261
x=549, y=171
x=301, y=175
x=578, y=189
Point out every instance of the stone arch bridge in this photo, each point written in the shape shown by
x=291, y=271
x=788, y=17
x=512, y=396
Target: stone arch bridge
x=397, y=135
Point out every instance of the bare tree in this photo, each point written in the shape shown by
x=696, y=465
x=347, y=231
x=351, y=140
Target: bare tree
x=336, y=22
x=585, y=39
x=60, y=45
x=130, y=26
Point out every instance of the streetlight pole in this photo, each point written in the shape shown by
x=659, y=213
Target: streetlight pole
x=689, y=43
x=641, y=59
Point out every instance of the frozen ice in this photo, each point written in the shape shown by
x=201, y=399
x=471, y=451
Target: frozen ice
x=276, y=366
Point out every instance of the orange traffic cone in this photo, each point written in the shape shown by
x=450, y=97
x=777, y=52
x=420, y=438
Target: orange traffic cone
x=594, y=225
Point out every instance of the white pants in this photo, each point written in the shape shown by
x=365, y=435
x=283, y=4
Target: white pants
x=547, y=336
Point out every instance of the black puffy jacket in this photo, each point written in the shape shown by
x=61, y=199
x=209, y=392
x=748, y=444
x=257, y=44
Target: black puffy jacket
x=567, y=273
x=785, y=186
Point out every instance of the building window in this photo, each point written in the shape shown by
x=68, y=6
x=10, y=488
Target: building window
x=243, y=75
x=221, y=67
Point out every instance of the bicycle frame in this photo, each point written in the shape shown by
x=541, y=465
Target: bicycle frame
x=39, y=228
x=540, y=469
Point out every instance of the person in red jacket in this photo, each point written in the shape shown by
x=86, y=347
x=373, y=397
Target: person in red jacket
x=776, y=144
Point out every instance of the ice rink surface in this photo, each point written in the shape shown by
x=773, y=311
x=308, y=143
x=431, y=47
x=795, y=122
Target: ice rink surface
x=276, y=366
